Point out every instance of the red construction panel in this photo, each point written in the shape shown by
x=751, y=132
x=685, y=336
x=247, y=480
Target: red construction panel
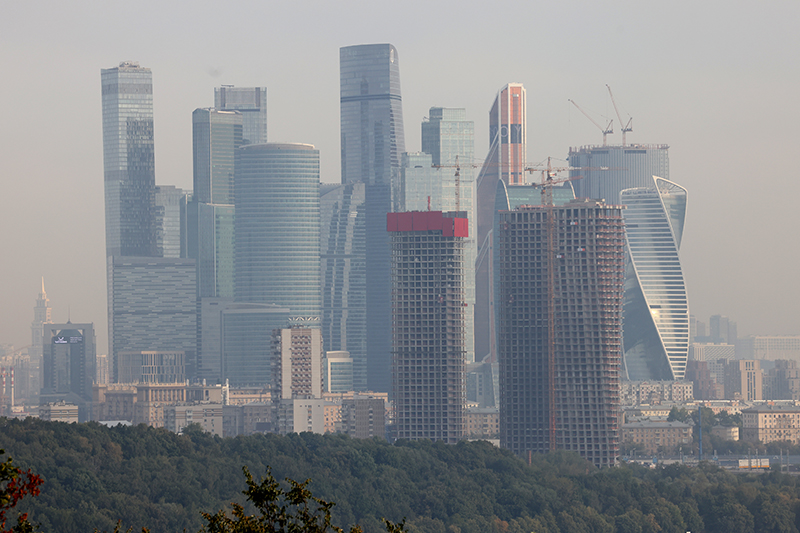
x=404, y=222
x=420, y=220
x=447, y=227
x=391, y=221
x=461, y=227
x=435, y=219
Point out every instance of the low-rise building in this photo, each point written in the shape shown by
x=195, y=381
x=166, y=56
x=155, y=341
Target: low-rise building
x=482, y=423
x=726, y=432
x=771, y=423
x=207, y=415
x=655, y=392
x=59, y=412
x=655, y=437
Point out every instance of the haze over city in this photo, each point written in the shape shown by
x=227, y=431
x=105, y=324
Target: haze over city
x=715, y=81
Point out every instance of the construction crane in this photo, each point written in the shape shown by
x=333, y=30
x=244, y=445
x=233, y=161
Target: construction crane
x=627, y=127
x=457, y=178
x=607, y=130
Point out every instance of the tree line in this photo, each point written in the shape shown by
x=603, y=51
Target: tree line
x=95, y=476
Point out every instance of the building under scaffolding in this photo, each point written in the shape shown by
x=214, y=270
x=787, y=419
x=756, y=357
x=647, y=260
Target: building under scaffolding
x=560, y=333
x=428, y=324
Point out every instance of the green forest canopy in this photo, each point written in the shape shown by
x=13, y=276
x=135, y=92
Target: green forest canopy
x=95, y=476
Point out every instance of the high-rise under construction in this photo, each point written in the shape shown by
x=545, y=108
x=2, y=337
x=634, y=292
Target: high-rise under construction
x=428, y=324
x=561, y=272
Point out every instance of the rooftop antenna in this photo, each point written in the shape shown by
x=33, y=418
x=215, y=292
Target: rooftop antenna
x=627, y=127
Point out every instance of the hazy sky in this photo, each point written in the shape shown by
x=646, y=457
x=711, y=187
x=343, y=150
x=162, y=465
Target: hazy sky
x=717, y=81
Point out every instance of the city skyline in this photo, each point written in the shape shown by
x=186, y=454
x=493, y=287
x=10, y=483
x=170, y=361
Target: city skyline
x=680, y=60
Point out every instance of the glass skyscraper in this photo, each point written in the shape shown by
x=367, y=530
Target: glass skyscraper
x=343, y=263
x=128, y=160
x=371, y=142
x=277, y=226
x=216, y=135
x=656, y=310
x=251, y=102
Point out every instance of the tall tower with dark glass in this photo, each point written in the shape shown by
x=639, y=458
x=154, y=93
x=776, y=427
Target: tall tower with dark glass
x=371, y=142
x=128, y=160
x=277, y=226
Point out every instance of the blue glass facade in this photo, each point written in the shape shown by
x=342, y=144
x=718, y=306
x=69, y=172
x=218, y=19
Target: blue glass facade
x=217, y=135
x=343, y=264
x=371, y=143
x=128, y=160
x=277, y=258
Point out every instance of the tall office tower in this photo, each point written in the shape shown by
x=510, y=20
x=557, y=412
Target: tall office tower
x=216, y=137
x=152, y=307
x=41, y=316
x=128, y=160
x=656, y=306
x=297, y=379
x=343, y=263
x=560, y=329
x=277, y=226
x=744, y=380
x=504, y=162
x=447, y=135
x=656, y=312
x=170, y=221
x=251, y=102
x=69, y=365
x=246, y=357
x=428, y=326
x=371, y=143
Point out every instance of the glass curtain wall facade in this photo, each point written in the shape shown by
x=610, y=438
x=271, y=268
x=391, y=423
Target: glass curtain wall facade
x=128, y=160
x=608, y=171
x=447, y=135
x=372, y=140
x=152, y=305
x=343, y=263
x=216, y=137
x=251, y=102
x=656, y=306
x=277, y=226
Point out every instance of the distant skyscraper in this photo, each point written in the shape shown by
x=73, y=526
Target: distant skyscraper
x=128, y=160
x=217, y=135
x=505, y=162
x=41, y=316
x=428, y=324
x=277, y=227
x=656, y=313
x=343, y=264
x=251, y=102
x=371, y=143
x=69, y=365
x=571, y=400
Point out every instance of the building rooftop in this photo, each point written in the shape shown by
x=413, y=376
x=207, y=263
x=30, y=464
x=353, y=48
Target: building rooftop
x=656, y=425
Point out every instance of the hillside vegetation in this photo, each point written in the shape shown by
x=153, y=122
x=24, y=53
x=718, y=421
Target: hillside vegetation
x=94, y=476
